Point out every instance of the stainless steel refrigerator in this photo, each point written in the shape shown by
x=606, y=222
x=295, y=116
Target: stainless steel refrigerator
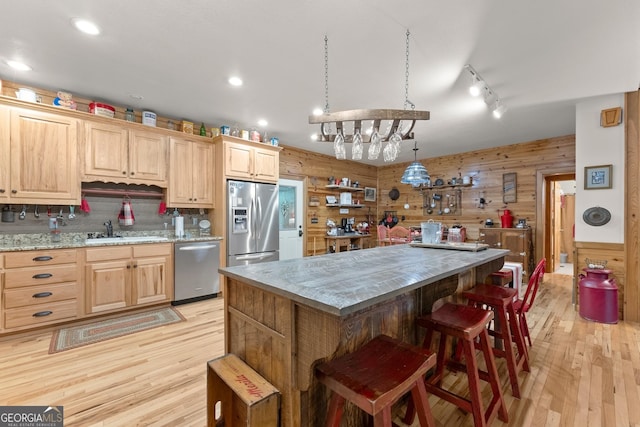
x=252, y=234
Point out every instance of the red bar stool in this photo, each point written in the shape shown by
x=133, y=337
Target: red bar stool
x=466, y=323
x=376, y=376
x=506, y=329
x=502, y=277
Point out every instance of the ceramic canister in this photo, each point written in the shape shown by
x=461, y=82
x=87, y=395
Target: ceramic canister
x=149, y=118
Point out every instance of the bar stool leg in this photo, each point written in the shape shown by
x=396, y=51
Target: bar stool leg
x=493, y=373
x=336, y=406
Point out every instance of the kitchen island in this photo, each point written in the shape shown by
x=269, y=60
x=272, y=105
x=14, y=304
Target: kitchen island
x=284, y=317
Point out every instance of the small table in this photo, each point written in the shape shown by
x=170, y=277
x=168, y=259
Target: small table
x=347, y=241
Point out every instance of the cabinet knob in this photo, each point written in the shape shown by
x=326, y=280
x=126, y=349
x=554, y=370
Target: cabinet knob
x=135, y=265
x=2, y=190
x=124, y=172
x=128, y=266
x=498, y=244
x=195, y=200
x=133, y=173
x=14, y=191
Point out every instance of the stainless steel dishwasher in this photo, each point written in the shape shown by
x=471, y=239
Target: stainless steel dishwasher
x=195, y=271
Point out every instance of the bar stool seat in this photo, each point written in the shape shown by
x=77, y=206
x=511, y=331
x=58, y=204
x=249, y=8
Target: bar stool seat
x=466, y=323
x=376, y=376
x=506, y=329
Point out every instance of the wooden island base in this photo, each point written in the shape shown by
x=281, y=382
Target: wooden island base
x=283, y=338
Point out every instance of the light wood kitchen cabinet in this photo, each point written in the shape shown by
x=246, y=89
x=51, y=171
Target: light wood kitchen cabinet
x=43, y=158
x=191, y=173
x=247, y=160
x=5, y=139
x=116, y=153
x=40, y=288
x=119, y=277
x=517, y=240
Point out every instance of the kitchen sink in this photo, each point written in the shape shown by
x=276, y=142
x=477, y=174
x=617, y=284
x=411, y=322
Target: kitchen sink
x=136, y=239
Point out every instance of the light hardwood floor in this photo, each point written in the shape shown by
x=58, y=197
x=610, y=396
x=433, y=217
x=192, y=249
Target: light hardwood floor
x=583, y=373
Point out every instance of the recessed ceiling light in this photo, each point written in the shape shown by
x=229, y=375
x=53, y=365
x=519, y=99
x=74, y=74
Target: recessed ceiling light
x=136, y=96
x=85, y=26
x=318, y=111
x=262, y=122
x=19, y=66
x=235, y=81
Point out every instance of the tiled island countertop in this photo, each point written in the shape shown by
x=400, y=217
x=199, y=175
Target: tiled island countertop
x=346, y=282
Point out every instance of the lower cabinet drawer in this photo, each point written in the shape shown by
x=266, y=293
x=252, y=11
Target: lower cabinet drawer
x=40, y=314
x=41, y=294
x=18, y=277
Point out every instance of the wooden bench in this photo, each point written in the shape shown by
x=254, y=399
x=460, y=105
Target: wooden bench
x=238, y=396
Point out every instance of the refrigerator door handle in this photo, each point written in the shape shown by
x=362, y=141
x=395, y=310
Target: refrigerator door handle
x=258, y=217
x=252, y=257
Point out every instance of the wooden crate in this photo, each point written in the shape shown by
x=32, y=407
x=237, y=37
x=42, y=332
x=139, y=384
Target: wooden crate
x=242, y=396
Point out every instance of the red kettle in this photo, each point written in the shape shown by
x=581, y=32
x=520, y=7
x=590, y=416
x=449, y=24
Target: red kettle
x=506, y=219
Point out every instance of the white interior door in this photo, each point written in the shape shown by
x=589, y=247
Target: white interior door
x=291, y=218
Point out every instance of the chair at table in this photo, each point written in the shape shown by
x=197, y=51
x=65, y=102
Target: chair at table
x=383, y=238
x=399, y=235
x=523, y=305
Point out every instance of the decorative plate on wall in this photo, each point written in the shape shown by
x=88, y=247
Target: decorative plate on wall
x=596, y=216
x=394, y=194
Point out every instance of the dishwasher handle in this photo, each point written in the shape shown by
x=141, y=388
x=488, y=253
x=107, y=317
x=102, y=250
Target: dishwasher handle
x=197, y=248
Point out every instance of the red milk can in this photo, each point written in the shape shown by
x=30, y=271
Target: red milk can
x=598, y=296
x=506, y=219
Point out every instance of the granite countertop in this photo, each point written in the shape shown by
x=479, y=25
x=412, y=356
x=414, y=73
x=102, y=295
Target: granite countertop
x=36, y=241
x=346, y=282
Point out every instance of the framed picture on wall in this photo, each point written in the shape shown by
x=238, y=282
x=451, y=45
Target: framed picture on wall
x=597, y=177
x=509, y=187
x=369, y=194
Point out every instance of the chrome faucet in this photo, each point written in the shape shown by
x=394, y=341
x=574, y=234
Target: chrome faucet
x=109, y=228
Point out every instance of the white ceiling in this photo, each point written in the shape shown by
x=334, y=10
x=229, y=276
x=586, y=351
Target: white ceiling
x=541, y=57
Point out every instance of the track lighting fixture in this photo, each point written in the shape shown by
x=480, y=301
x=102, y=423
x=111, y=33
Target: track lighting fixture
x=478, y=86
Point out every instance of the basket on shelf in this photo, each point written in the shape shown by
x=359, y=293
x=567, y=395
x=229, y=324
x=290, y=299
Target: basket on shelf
x=599, y=264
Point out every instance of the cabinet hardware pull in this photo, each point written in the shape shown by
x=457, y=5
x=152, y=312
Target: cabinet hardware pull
x=42, y=313
x=124, y=172
x=128, y=265
x=523, y=254
x=42, y=294
x=14, y=191
x=2, y=190
x=42, y=258
x=135, y=265
x=42, y=276
x=133, y=173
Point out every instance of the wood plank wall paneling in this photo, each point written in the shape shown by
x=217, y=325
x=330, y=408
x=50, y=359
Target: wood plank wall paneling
x=631, y=307
x=486, y=168
x=614, y=254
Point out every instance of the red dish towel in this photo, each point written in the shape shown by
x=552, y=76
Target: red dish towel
x=84, y=205
x=126, y=216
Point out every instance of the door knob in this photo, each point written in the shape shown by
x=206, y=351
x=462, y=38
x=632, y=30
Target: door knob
x=300, y=232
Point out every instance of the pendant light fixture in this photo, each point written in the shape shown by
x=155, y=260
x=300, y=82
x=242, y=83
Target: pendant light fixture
x=416, y=174
x=399, y=127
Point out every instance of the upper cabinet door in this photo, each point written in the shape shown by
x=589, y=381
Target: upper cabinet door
x=238, y=160
x=114, y=153
x=266, y=166
x=203, y=174
x=44, y=158
x=5, y=139
x=106, y=152
x=148, y=158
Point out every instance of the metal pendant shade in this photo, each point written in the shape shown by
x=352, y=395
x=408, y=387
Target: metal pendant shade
x=416, y=174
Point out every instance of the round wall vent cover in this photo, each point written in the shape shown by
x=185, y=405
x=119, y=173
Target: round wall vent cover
x=596, y=216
